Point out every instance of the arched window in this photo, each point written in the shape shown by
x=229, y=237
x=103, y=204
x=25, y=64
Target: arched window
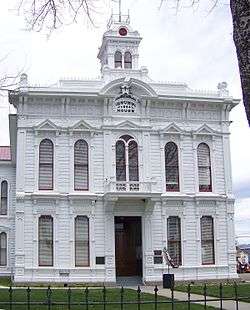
x=81, y=166
x=174, y=239
x=172, y=167
x=207, y=240
x=81, y=241
x=118, y=59
x=3, y=249
x=4, y=198
x=45, y=240
x=127, y=159
x=127, y=60
x=46, y=161
x=204, y=168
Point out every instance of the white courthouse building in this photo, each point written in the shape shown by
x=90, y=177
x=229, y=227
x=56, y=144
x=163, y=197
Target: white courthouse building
x=102, y=174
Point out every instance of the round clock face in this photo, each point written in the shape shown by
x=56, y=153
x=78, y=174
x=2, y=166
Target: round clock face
x=123, y=31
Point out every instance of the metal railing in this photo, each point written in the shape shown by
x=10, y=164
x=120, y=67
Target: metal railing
x=27, y=299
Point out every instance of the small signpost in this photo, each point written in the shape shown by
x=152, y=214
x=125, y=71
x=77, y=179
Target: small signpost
x=168, y=278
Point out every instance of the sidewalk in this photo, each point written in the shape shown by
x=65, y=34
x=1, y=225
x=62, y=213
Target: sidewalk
x=227, y=304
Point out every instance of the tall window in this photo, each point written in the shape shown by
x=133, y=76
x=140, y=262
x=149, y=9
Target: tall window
x=3, y=249
x=118, y=59
x=174, y=239
x=46, y=161
x=81, y=241
x=204, y=168
x=45, y=240
x=81, y=166
x=127, y=60
x=172, y=167
x=4, y=198
x=127, y=159
x=207, y=240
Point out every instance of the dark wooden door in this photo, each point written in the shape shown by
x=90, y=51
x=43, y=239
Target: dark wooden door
x=128, y=246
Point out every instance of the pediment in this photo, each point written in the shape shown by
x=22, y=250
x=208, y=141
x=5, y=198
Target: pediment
x=204, y=130
x=128, y=125
x=82, y=126
x=47, y=125
x=172, y=129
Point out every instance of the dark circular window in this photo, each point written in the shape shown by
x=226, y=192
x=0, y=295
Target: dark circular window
x=123, y=31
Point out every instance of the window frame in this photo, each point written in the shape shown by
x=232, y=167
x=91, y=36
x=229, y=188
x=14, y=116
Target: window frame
x=76, y=265
x=116, y=62
x=177, y=188
x=53, y=241
x=204, y=188
x=6, y=249
x=127, y=158
x=130, y=63
x=7, y=197
x=44, y=164
x=87, y=144
x=178, y=242
x=208, y=241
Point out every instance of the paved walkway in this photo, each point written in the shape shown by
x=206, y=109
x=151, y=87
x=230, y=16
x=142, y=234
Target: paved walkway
x=227, y=304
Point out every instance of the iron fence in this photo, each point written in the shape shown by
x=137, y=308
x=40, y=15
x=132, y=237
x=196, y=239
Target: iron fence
x=13, y=298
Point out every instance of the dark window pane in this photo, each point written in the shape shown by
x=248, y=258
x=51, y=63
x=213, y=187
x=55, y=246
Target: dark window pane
x=4, y=198
x=207, y=240
x=133, y=161
x=81, y=241
x=46, y=165
x=127, y=60
x=118, y=59
x=120, y=161
x=204, y=168
x=81, y=165
x=45, y=242
x=171, y=167
x=3, y=249
x=174, y=238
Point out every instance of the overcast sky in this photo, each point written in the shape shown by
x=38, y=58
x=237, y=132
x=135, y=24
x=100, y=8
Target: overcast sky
x=190, y=46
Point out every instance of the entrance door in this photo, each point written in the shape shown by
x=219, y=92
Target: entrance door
x=128, y=246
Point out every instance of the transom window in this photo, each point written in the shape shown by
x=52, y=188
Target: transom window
x=172, y=167
x=4, y=198
x=46, y=163
x=207, y=240
x=81, y=166
x=127, y=159
x=174, y=239
x=204, y=168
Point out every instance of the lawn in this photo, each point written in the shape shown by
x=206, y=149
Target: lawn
x=78, y=295
x=228, y=290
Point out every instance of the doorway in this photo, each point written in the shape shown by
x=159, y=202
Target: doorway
x=128, y=246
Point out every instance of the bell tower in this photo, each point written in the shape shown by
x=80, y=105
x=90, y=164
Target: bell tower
x=120, y=43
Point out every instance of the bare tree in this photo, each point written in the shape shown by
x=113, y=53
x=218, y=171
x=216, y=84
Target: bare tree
x=55, y=13
x=8, y=80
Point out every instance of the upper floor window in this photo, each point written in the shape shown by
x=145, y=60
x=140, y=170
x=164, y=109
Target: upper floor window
x=46, y=163
x=45, y=240
x=4, y=198
x=171, y=167
x=81, y=241
x=3, y=249
x=118, y=59
x=81, y=165
x=127, y=159
x=174, y=239
x=204, y=168
x=127, y=60
x=207, y=240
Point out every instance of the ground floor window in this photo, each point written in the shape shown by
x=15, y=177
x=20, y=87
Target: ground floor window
x=207, y=240
x=3, y=249
x=81, y=241
x=174, y=239
x=45, y=240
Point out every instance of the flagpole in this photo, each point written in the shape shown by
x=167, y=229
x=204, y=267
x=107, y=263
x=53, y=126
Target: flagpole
x=120, y=13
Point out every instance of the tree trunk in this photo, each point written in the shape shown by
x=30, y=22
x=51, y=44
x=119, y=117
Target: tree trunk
x=240, y=10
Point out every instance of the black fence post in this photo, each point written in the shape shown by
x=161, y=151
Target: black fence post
x=122, y=296
x=236, y=296
x=221, y=296
x=138, y=298
x=104, y=298
x=172, y=298
x=87, y=298
x=189, y=295
x=69, y=298
x=10, y=297
x=156, y=296
x=205, y=296
x=49, y=297
x=28, y=297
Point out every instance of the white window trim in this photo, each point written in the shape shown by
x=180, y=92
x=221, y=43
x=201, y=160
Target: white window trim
x=8, y=198
x=7, y=250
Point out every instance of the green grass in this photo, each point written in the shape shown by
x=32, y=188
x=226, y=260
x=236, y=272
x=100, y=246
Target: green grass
x=77, y=295
x=5, y=281
x=228, y=290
